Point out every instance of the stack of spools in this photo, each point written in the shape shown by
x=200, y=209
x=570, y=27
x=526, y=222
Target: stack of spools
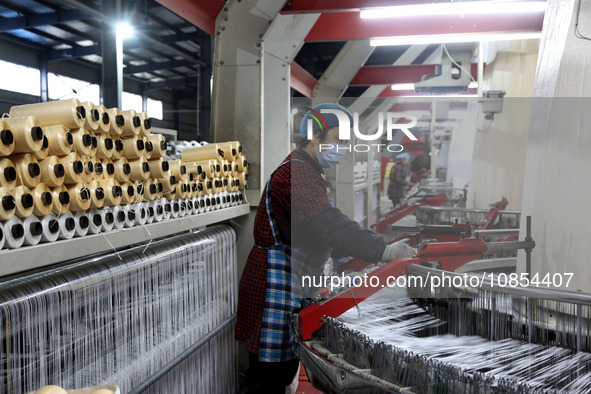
x=217, y=171
x=69, y=168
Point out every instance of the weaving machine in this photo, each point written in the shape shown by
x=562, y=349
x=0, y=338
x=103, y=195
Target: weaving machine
x=463, y=338
x=156, y=318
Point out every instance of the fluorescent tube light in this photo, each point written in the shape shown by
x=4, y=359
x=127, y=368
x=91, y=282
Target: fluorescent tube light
x=450, y=38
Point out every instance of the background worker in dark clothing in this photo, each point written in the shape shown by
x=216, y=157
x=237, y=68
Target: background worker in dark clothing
x=294, y=219
x=398, y=179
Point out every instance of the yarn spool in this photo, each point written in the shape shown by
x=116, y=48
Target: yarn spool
x=117, y=147
x=139, y=191
x=7, y=174
x=181, y=190
x=88, y=173
x=59, y=140
x=106, y=146
x=117, y=121
x=79, y=197
x=73, y=168
x=160, y=188
x=98, y=168
x=133, y=148
x=205, y=152
x=27, y=134
x=242, y=163
x=61, y=200
x=122, y=170
x=226, y=168
x=24, y=201
x=178, y=170
x=113, y=191
x=151, y=190
x=108, y=168
x=243, y=178
x=140, y=169
x=44, y=151
x=91, y=121
x=27, y=169
x=104, y=121
x=132, y=125
x=52, y=171
x=6, y=140
x=128, y=190
x=7, y=203
x=93, y=145
x=232, y=149
x=168, y=183
x=81, y=141
x=148, y=148
x=42, y=200
x=158, y=144
x=207, y=186
x=159, y=168
x=33, y=230
x=97, y=195
x=14, y=233
x=70, y=113
x=145, y=124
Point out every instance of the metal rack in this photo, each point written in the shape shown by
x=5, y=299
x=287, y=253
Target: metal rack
x=31, y=257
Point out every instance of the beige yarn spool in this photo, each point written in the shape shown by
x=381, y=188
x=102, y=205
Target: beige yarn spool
x=105, y=146
x=181, y=190
x=28, y=135
x=139, y=191
x=6, y=140
x=148, y=149
x=151, y=190
x=98, y=168
x=42, y=200
x=133, y=148
x=8, y=174
x=7, y=203
x=73, y=168
x=241, y=162
x=52, y=171
x=104, y=121
x=159, y=168
x=140, y=169
x=209, y=167
x=59, y=140
x=158, y=144
x=88, y=173
x=113, y=191
x=132, y=123
x=61, y=200
x=27, y=170
x=168, y=183
x=24, y=201
x=178, y=170
x=97, y=195
x=243, y=178
x=93, y=145
x=145, y=124
x=91, y=121
x=70, y=113
x=117, y=121
x=207, y=186
x=108, y=168
x=231, y=149
x=205, y=152
x=128, y=190
x=82, y=141
x=79, y=197
x=117, y=147
x=44, y=151
x=122, y=170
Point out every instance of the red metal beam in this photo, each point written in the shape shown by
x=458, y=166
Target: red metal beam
x=201, y=13
x=301, y=80
x=324, y=6
x=387, y=75
x=346, y=26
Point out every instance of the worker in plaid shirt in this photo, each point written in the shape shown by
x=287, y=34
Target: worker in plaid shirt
x=295, y=218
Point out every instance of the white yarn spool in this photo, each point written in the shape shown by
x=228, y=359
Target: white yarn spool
x=149, y=213
x=208, y=206
x=33, y=229
x=95, y=221
x=225, y=200
x=191, y=210
x=2, y=236
x=67, y=225
x=140, y=213
x=158, y=210
x=129, y=216
x=14, y=233
x=82, y=224
x=119, y=217
x=51, y=228
x=108, y=219
x=175, y=209
x=182, y=207
x=167, y=209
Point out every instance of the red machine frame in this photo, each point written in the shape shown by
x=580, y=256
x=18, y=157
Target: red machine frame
x=404, y=210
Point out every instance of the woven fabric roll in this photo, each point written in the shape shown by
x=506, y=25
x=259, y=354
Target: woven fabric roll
x=113, y=191
x=106, y=146
x=140, y=169
x=117, y=147
x=232, y=149
x=42, y=200
x=61, y=200
x=28, y=135
x=159, y=168
x=132, y=123
x=44, y=151
x=81, y=141
x=97, y=195
x=168, y=183
x=70, y=113
x=73, y=168
x=59, y=140
x=6, y=140
x=133, y=148
x=104, y=121
x=122, y=170
x=24, y=201
x=88, y=173
x=27, y=170
x=178, y=170
x=128, y=190
x=7, y=203
x=79, y=197
x=206, y=152
x=52, y=171
x=158, y=144
x=148, y=148
x=145, y=124
x=117, y=121
x=7, y=174
x=91, y=121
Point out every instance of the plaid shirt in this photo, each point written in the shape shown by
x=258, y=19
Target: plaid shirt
x=298, y=183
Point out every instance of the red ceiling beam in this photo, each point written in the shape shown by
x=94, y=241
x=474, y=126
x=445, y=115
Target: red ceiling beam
x=387, y=75
x=301, y=80
x=324, y=6
x=201, y=13
x=346, y=26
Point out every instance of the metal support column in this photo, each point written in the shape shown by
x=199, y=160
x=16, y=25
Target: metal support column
x=44, y=94
x=112, y=53
x=145, y=99
x=204, y=88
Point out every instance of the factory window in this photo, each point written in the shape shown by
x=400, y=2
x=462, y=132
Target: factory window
x=21, y=79
x=62, y=88
x=131, y=101
x=155, y=109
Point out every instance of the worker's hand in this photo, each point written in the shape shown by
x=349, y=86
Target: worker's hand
x=397, y=250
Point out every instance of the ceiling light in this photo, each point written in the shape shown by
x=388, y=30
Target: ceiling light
x=450, y=38
x=411, y=86
x=456, y=8
x=124, y=30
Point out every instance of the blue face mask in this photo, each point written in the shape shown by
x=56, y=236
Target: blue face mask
x=332, y=156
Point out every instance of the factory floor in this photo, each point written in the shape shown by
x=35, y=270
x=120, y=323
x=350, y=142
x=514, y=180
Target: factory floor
x=304, y=386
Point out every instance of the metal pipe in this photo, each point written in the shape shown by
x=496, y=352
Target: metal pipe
x=579, y=313
x=528, y=238
x=506, y=231
x=530, y=320
x=509, y=245
x=178, y=359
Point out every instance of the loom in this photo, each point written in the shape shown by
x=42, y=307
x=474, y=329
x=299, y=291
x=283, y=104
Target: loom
x=471, y=337
x=154, y=318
